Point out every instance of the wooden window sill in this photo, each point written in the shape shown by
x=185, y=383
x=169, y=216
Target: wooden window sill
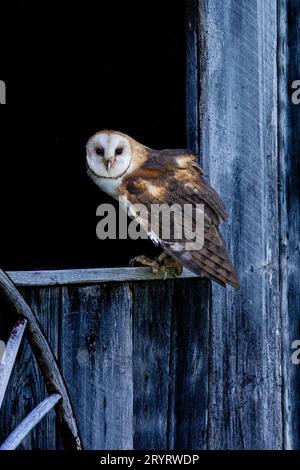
x=86, y=276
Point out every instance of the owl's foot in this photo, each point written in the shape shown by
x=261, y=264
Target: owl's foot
x=164, y=265
x=173, y=268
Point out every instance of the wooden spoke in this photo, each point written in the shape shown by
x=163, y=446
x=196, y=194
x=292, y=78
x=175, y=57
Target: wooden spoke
x=24, y=428
x=9, y=356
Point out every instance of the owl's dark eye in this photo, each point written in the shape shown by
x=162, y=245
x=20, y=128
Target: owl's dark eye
x=119, y=151
x=99, y=151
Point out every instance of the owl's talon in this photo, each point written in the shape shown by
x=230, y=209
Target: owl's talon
x=164, y=265
x=132, y=262
x=144, y=260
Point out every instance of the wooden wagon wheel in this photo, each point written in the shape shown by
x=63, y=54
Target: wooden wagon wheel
x=27, y=323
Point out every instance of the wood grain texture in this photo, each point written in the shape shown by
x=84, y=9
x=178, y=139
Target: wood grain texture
x=45, y=303
x=289, y=144
x=25, y=427
x=87, y=276
x=96, y=361
x=134, y=359
x=189, y=348
x=16, y=305
x=238, y=143
x=193, y=88
x=153, y=311
x=170, y=364
x=26, y=388
x=9, y=354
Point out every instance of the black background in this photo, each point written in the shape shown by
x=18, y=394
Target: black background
x=71, y=69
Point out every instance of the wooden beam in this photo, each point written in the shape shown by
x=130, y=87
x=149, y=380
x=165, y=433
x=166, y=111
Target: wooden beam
x=96, y=357
x=289, y=144
x=24, y=428
x=238, y=134
x=86, y=276
x=45, y=358
x=10, y=353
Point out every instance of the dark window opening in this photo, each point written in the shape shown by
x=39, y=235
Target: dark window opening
x=72, y=71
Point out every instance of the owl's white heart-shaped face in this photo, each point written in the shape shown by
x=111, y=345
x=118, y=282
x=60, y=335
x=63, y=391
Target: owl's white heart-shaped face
x=108, y=155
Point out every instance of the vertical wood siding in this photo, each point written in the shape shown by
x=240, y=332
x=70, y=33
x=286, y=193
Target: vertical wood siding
x=289, y=145
x=248, y=137
x=239, y=148
x=134, y=357
x=96, y=361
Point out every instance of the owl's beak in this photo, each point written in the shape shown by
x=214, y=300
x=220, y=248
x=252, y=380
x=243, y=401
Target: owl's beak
x=109, y=163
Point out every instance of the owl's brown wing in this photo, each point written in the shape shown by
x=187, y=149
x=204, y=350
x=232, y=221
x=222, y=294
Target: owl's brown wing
x=174, y=177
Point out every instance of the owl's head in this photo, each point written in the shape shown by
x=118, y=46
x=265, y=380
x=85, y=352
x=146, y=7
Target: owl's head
x=108, y=154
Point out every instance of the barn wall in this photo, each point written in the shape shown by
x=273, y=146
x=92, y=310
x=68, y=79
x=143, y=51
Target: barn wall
x=134, y=357
x=247, y=132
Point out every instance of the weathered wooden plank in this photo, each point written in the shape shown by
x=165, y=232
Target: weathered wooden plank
x=191, y=338
x=28, y=423
x=170, y=363
x=189, y=394
x=238, y=133
x=9, y=354
x=152, y=332
x=86, y=276
x=96, y=360
x=45, y=303
x=289, y=144
x=193, y=75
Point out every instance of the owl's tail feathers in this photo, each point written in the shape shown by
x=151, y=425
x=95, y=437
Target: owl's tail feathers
x=220, y=271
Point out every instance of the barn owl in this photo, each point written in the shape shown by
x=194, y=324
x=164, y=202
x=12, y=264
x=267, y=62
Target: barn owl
x=127, y=170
